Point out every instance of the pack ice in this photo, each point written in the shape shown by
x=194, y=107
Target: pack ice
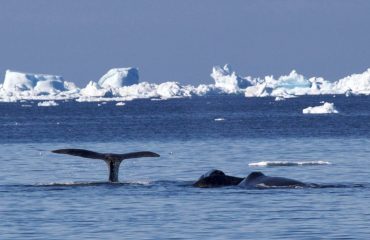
x=122, y=84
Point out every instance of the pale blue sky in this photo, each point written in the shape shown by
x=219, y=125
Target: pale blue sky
x=181, y=40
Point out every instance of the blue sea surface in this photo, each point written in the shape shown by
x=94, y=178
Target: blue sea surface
x=50, y=196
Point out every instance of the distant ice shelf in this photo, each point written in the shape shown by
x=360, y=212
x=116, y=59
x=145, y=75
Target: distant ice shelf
x=122, y=84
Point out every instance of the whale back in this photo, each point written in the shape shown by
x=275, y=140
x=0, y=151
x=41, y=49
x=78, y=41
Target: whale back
x=282, y=182
x=212, y=173
x=254, y=175
x=259, y=179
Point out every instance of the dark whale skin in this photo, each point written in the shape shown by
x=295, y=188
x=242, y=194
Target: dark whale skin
x=258, y=178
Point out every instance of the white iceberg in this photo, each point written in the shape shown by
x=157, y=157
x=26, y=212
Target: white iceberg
x=227, y=80
x=47, y=104
x=291, y=81
x=173, y=89
x=144, y=90
x=119, y=77
x=326, y=108
x=354, y=84
x=259, y=90
x=287, y=86
x=39, y=83
x=141, y=90
x=122, y=84
x=27, y=86
x=93, y=89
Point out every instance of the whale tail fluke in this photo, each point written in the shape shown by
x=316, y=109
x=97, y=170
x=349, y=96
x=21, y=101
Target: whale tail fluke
x=113, y=160
x=105, y=156
x=135, y=155
x=81, y=153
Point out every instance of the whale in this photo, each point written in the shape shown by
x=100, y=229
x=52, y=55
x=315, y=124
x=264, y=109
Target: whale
x=258, y=179
x=112, y=160
x=217, y=178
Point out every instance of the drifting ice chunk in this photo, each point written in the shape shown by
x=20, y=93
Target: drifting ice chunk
x=326, y=108
x=203, y=89
x=354, y=84
x=120, y=104
x=259, y=90
x=227, y=80
x=18, y=81
x=41, y=83
x=119, y=77
x=172, y=89
x=279, y=98
x=47, y=104
x=141, y=90
x=92, y=89
x=293, y=80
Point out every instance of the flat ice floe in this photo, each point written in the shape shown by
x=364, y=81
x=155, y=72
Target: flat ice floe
x=47, y=104
x=287, y=163
x=122, y=84
x=326, y=108
x=120, y=104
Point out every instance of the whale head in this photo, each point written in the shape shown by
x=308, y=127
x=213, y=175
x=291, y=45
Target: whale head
x=216, y=178
x=212, y=173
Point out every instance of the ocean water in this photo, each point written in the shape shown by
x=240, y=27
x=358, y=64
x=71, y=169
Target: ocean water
x=50, y=196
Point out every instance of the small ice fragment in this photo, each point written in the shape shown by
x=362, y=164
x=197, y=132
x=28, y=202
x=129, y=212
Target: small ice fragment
x=279, y=98
x=120, y=104
x=47, y=104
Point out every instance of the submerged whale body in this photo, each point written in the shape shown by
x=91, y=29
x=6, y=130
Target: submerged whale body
x=217, y=178
x=256, y=179
x=113, y=160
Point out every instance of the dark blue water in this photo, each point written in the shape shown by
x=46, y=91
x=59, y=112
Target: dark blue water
x=49, y=196
x=183, y=119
